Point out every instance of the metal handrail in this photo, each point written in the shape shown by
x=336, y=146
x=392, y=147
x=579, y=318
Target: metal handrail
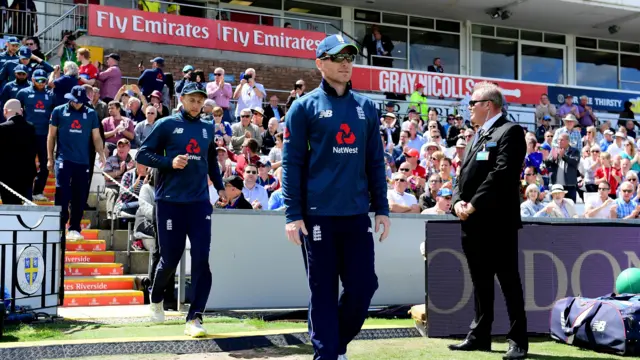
x=53, y=34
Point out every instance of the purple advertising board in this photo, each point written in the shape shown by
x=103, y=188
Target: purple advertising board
x=557, y=260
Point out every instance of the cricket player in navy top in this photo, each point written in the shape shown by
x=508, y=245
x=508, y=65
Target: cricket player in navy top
x=13, y=45
x=152, y=79
x=178, y=147
x=10, y=89
x=333, y=173
x=38, y=102
x=26, y=58
x=71, y=127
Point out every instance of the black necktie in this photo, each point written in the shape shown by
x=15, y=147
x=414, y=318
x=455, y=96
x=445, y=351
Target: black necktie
x=480, y=132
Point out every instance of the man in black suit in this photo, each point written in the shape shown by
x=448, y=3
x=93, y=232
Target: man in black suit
x=18, y=147
x=273, y=110
x=488, y=192
x=379, y=45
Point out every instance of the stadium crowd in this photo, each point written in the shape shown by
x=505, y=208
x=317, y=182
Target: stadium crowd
x=571, y=157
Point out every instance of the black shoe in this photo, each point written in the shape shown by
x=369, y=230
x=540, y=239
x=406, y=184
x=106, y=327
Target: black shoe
x=468, y=345
x=515, y=352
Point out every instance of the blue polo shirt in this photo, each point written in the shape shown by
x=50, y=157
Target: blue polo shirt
x=37, y=106
x=10, y=90
x=7, y=73
x=63, y=86
x=4, y=57
x=74, y=132
x=151, y=80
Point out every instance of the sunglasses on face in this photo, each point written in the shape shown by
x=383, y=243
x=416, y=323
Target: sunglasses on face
x=405, y=170
x=595, y=151
x=245, y=116
x=472, y=103
x=338, y=58
x=447, y=197
x=603, y=189
x=468, y=136
x=151, y=113
x=627, y=191
x=528, y=174
x=632, y=179
x=401, y=180
x=251, y=172
x=216, y=74
x=435, y=181
x=30, y=44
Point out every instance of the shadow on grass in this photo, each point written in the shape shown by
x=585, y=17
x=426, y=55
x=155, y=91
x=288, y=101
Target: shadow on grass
x=50, y=330
x=273, y=352
x=565, y=357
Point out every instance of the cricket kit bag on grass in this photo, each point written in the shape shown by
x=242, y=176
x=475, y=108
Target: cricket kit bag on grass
x=608, y=324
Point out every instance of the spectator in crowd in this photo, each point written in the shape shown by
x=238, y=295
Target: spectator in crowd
x=18, y=149
x=437, y=66
x=244, y=130
x=187, y=77
x=415, y=140
x=274, y=110
x=10, y=90
x=249, y=93
x=258, y=119
x=617, y=147
x=599, y=207
x=607, y=173
x=631, y=153
x=71, y=127
x=455, y=131
x=399, y=200
x=543, y=129
x=298, y=91
x=67, y=52
x=276, y=200
x=391, y=128
x=563, y=164
x=11, y=53
x=98, y=105
x=207, y=110
x=624, y=166
x=267, y=181
x=249, y=156
x=626, y=114
x=136, y=104
x=144, y=225
x=92, y=150
x=28, y=60
x=443, y=203
x=234, y=197
x=152, y=79
x=625, y=207
x=23, y=17
x=62, y=84
x=587, y=117
x=117, y=127
x=132, y=181
x=115, y=167
x=569, y=108
x=223, y=162
x=533, y=157
x=546, y=109
x=143, y=128
x=275, y=155
x=269, y=136
x=530, y=176
x=111, y=78
x=444, y=167
x=87, y=72
x=122, y=96
x=630, y=127
x=590, y=138
x=461, y=146
x=412, y=156
x=418, y=101
x=428, y=198
x=559, y=207
x=37, y=103
x=287, y=25
x=532, y=206
x=156, y=100
x=221, y=127
x=33, y=43
x=379, y=48
x=589, y=166
x=221, y=92
x=575, y=138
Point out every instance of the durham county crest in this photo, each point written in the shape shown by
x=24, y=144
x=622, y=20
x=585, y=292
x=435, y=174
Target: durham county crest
x=30, y=269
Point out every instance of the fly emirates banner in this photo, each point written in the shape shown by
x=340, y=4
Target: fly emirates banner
x=119, y=23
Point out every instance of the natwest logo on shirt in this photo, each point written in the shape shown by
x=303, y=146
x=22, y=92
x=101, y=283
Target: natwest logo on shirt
x=39, y=105
x=286, y=134
x=76, y=127
x=192, y=149
x=345, y=137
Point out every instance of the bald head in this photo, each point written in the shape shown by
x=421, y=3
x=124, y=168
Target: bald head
x=11, y=108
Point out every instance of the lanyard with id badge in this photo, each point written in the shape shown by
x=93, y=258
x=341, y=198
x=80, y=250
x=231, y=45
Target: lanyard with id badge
x=484, y=154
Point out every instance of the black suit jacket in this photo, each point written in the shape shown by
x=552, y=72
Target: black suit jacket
x=18, y=147
x=493, y=186
x=269, y=113
x=370, y=44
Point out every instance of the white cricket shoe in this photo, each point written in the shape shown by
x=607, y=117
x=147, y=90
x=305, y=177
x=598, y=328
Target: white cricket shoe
x=157, y=312
x=74, y=235
x=194, y=329
x=40, y=197
x=342, y=357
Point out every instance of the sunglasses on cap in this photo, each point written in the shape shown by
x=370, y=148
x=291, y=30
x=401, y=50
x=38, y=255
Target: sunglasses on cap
x=338, y=58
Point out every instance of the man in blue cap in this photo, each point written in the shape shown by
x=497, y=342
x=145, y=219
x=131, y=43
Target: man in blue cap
x=152, y=79
x=38, y=102
x=333, y=168
x=187, y=72
x=26, y=58
x=178, y=146
x=10, y=89
x=13, y=44
x=71, y=127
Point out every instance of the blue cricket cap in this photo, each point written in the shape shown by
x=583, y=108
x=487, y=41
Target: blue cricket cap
x=77, y=95
x=13, y=40
x=40, y=74
x=20, y=68
x=545, y=146
x=187, y=68
x=444, y=192
x=24, y=52
x=194, y=88
x=546, y=118
x=333, y=44
x=158, y=60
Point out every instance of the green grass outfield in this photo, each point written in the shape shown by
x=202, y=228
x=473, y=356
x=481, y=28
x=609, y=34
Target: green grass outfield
x=396, y=349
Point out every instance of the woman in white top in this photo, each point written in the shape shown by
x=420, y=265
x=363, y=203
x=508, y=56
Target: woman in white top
x=589, y=165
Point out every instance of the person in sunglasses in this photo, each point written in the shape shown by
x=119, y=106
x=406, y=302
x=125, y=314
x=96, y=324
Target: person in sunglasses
x=38, y=102
x=332, y=166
